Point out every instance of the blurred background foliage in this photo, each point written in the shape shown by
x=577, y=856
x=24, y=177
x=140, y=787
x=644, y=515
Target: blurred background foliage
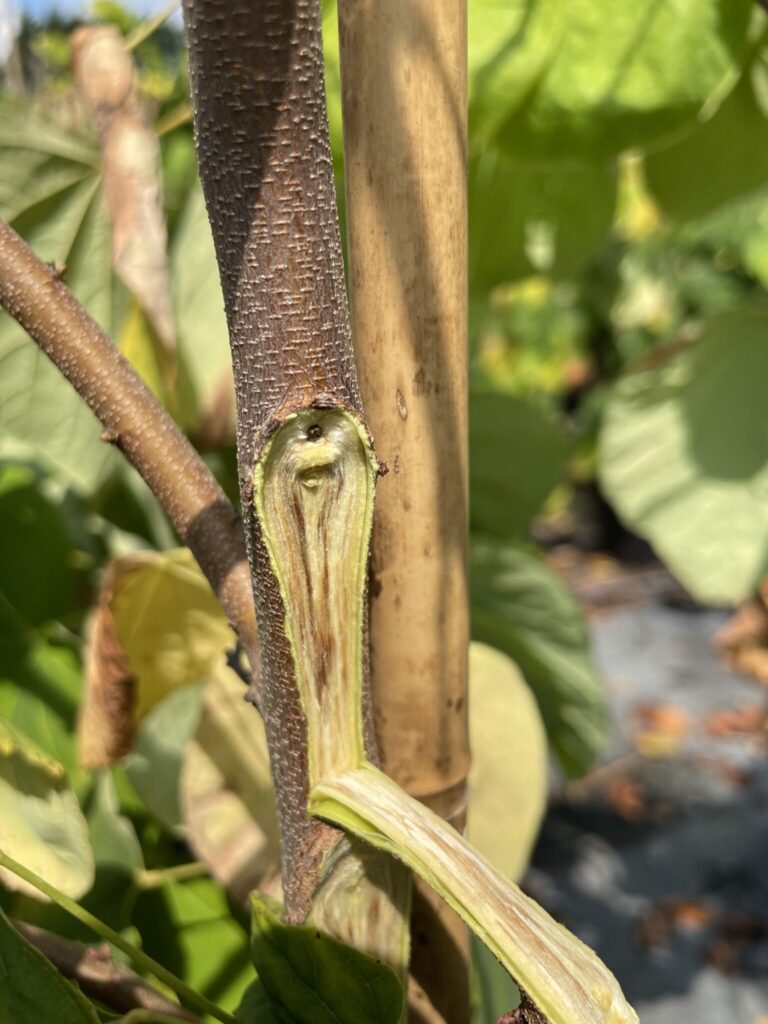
x=618, y=160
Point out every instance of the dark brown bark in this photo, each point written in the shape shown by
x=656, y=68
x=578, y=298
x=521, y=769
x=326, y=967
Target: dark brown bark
x=34, y=294
x=258, y=98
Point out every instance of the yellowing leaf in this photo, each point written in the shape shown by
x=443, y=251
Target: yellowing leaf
x=159, y=627
x=227, y=797
x=41, y=824
x=169, y=623
x=508, y=778
x=141, y=347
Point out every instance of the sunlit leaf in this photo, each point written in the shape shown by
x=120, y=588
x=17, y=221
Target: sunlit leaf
x=553, y=80
x=190, y=927
x=158, y=628
x=508, y=776
x=732, y=146
x=41, y=824
x=524, y=219
x=169, y=623
x=684, y=456
x=49, y=192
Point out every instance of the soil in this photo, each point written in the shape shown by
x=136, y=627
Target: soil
x=659, y=857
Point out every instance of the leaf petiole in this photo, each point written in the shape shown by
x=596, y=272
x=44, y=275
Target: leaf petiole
x=138, y=958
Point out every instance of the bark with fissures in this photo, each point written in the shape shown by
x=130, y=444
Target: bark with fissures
x=260, y=121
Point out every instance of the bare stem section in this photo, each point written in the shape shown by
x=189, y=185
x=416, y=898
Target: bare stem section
x=34, y=294
x=565, y=980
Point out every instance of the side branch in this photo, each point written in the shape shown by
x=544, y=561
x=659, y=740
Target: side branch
x=34, y=294
x=100, y=976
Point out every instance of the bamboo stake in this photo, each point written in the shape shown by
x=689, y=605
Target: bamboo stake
x=404, y=101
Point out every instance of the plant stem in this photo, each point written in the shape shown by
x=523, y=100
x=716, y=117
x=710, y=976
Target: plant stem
x=100, y=976
x=565, y=979
x=154, y=879
x=136, y=956
x=145, y=30
x=34, y=294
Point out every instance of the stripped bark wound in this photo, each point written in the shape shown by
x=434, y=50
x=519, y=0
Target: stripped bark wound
x=261, y=131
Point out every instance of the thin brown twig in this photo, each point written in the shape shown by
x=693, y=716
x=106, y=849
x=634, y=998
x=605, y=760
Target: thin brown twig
x=100, y=976
x=34, y=294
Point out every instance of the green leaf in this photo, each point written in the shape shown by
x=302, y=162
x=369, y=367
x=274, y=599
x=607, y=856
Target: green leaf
x=495, y=992
x=40, y=686
x=202, y=335
x=41, y=824
x=520, y=607
x=507, y=795
x=317, y=979
x=50, y=193
x=684, y=456
x=155, y=763
x=34, y=546
x=585, y=80
x=258, y=1008
x=32, y=990
x=732, y=146
x=524, y=219
x=517, y=456
x=191, y=927
x=118, y=856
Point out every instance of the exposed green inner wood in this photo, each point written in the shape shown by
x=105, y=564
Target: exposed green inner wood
x=565, y=979
x=313, y=490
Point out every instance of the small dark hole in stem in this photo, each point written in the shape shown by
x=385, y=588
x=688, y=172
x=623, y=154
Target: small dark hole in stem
x=315, y=432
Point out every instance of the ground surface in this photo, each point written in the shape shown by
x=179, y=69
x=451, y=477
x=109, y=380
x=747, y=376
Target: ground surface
x=659, y=859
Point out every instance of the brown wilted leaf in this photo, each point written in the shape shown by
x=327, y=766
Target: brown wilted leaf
x=627, y=798
x=662, y=921
x=743, y=641
x=750, y=719
x=660, y=729
x=106, y=724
